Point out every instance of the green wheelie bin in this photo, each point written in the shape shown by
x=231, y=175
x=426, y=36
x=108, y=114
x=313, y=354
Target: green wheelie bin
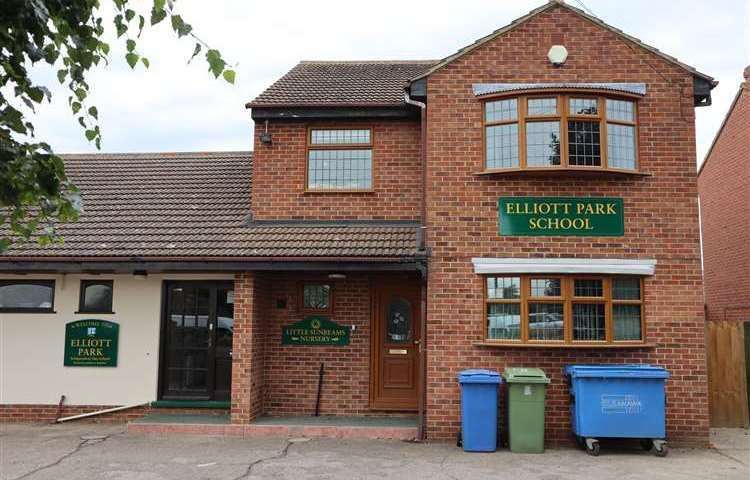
x=524, y=402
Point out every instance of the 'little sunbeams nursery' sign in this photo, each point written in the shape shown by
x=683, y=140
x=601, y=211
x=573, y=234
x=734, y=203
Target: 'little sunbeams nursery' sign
x=91, y=343
x=315, y=330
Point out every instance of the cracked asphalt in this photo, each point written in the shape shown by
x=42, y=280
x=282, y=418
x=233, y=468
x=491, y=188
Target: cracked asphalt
x=97, y=451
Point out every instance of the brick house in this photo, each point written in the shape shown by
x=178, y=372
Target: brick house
x=724, y=189
x=529, y=200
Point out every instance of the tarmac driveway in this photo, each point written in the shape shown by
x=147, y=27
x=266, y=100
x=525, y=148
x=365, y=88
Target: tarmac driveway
x=94, y=451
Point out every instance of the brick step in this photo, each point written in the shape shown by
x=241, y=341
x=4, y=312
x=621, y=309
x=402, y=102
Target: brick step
x=358, y=428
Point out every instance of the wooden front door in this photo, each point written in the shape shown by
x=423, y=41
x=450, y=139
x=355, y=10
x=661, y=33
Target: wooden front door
x=197, y=341
x=396, y=335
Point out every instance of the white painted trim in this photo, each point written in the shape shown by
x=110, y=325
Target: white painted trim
x=617, y=266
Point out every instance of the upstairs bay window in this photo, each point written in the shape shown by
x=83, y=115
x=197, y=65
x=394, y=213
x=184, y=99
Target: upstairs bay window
x=339, y=159
x=572, y=132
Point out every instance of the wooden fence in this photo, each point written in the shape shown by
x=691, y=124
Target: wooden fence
x=727, y=374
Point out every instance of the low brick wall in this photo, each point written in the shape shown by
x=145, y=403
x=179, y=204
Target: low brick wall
x=26, y=413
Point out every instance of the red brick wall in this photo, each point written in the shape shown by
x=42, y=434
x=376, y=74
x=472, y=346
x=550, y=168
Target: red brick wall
x=45, y=413
x=279, y=176
x=724, y=187
x=251, y=303
x=661, y=220
x=291, y=375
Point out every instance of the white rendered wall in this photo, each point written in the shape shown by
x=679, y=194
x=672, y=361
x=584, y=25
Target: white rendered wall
x=32, y=345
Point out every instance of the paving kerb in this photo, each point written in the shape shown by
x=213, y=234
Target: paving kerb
x=122, y=456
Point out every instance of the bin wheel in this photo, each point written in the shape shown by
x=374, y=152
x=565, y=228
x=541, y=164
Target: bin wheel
x=592, y=447
x=660, y=449
x=459, y=440
x=647, y=444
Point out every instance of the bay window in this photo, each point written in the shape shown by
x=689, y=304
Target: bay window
x=570, y=132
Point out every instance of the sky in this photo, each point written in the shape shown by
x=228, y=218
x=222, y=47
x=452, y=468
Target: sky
x=174, y=106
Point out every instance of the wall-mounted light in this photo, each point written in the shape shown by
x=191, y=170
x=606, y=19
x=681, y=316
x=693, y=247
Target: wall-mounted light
x=557, y=55
x=265, y=137
x=337, y=276
x=140, y=274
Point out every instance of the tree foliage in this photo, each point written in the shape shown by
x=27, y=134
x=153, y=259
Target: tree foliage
x=35, y=194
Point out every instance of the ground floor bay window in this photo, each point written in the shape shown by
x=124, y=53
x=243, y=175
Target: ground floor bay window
x=550, y=303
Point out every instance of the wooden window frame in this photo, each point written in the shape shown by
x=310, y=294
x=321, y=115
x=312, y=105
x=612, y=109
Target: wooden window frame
x=314, y=311
x=567, y=298
x=563, y=115
x=46, y=283
x=82, y=295
x=340, y=146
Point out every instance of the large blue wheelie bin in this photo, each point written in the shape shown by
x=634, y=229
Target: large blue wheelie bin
x=618, y=401
x=479, y=409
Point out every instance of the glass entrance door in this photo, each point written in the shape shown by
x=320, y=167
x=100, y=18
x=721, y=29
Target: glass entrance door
x=197, y=341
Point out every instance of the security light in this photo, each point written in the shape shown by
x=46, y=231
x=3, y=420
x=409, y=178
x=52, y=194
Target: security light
x=557, y=55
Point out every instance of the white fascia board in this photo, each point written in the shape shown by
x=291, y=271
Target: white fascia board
x=618, y=266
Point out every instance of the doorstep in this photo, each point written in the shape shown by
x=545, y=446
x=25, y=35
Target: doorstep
x=391, y=428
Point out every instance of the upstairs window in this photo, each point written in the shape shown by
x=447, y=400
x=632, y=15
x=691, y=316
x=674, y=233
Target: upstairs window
x=27, y=296
x=576, y=132
x=339, y=159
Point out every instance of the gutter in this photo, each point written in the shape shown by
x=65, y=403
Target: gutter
x=423, y=158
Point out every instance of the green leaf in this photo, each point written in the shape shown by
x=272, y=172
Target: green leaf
x=215, y=62
x=130, y=45
x=145, y=62
x=82, y=122
x=129, y=14
x=80, y=94
x=120, y=26
x=36, y=94
x=196, y=51
x=159, y=4
x=141, y=23
x=61, y=74
x=90, y=134
x=179, y=26
x=76, y=106
x=94, y=112
x=229, y=76
x=104, y=47
x=157, y=15
x=132, y=59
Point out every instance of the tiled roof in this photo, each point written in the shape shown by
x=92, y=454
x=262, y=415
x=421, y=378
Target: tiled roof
x=365, y=83
x=175, y=205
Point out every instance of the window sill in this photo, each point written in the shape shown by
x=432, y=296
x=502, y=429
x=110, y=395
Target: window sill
x=334, y=190
x=565, y=171
x=25, y=310
x=563, y=345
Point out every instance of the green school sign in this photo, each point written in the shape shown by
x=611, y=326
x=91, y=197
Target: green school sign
x=91, y=343
x=561, y=216
x=315, y=331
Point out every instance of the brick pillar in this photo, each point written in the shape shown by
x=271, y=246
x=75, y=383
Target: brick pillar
x=250, y=298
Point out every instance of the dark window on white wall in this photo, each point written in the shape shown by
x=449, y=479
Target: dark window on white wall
x=27, y=296
x=96, y=296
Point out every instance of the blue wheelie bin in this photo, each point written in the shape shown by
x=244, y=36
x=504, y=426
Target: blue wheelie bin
x=479, y=410
x=618, y=401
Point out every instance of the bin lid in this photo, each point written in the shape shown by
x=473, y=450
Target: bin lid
x=479, y=375
x=525, y=375
x=627, y=370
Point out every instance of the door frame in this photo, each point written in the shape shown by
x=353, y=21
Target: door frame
x=375, y=323
x=162, y=362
